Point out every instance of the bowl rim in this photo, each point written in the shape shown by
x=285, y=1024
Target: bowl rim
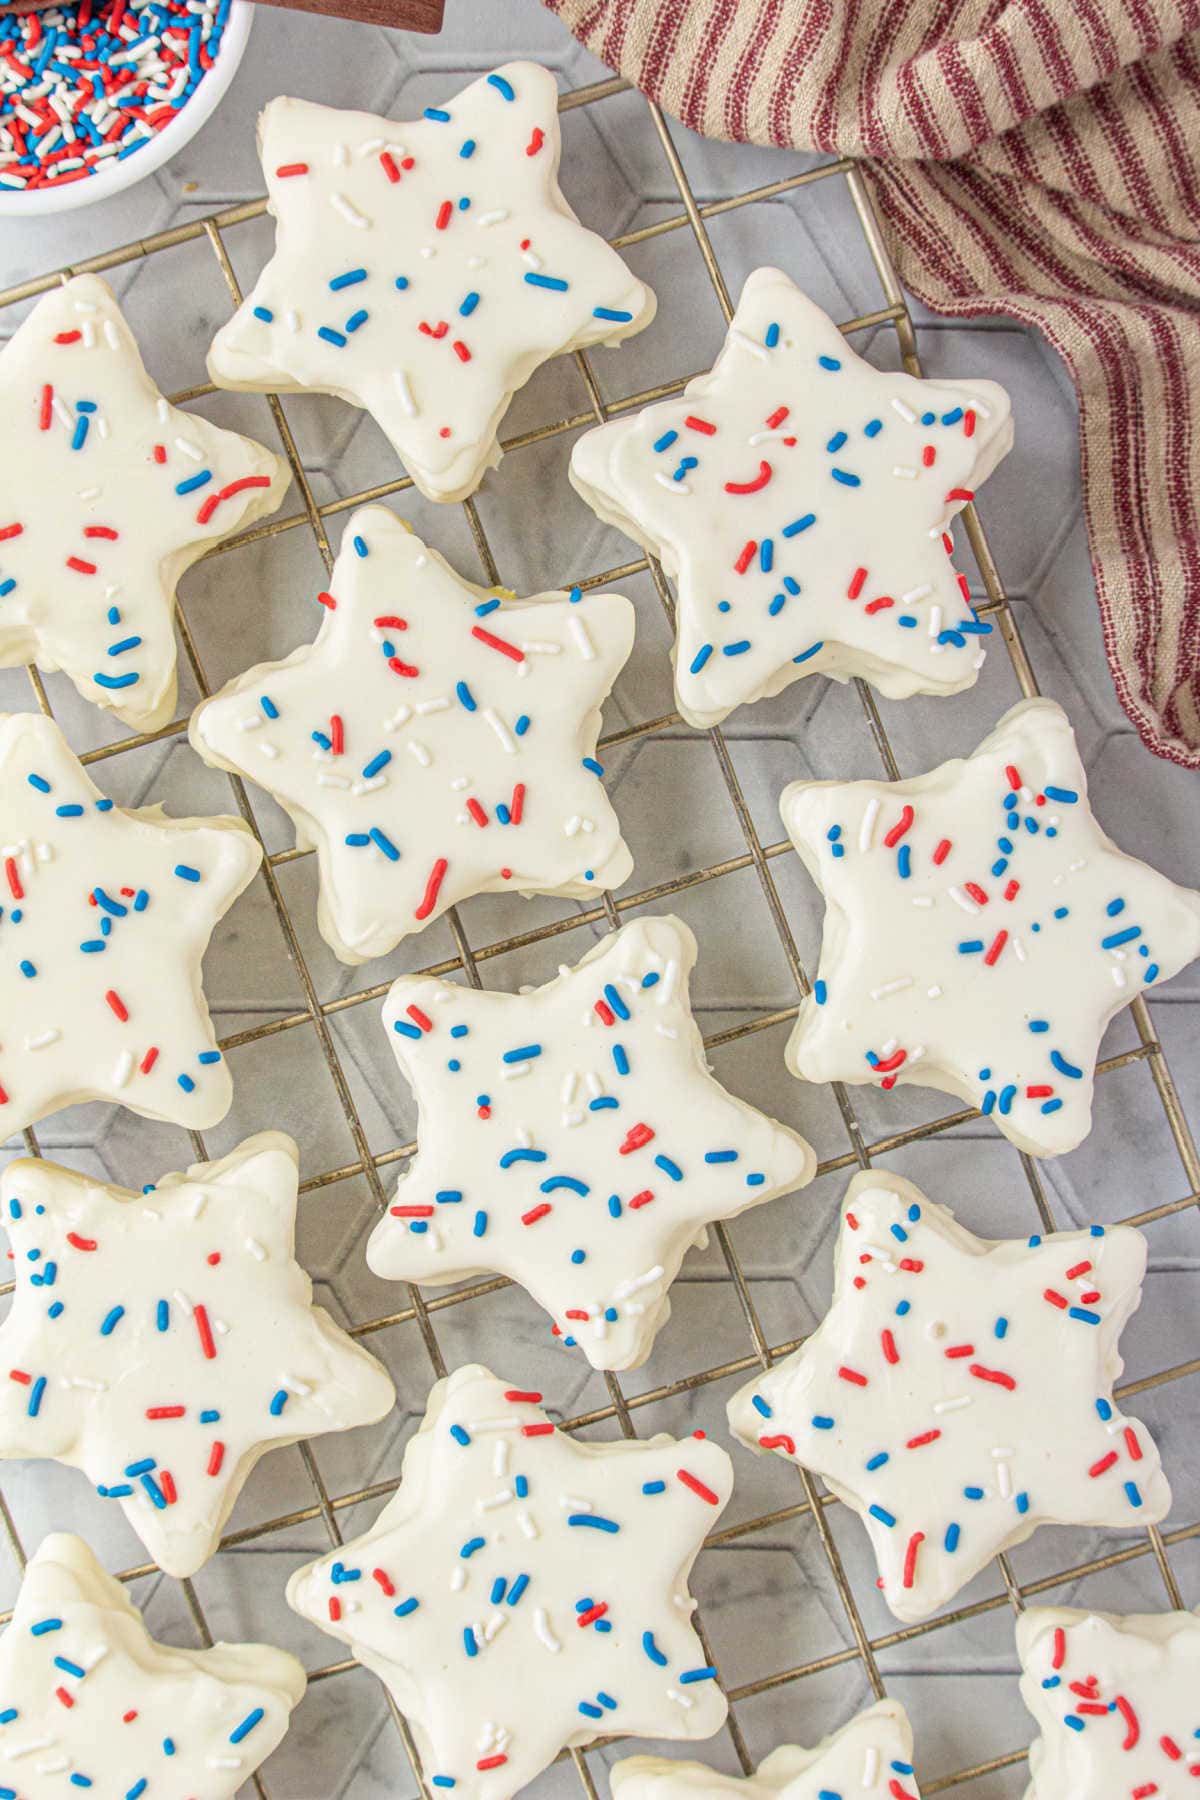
x=15, y=203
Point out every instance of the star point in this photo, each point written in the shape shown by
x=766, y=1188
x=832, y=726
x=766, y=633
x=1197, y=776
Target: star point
x=434, y=742
x=105, y=917
x=980, y=930
x=424, y=269
x=870, y=1757
x=574, y=1139
x=524, y=1591
x=802, y=502
x=165, y=1388
x=1115, y=1699
x=110, y=493
x=89, y=1700
x=959, y=1392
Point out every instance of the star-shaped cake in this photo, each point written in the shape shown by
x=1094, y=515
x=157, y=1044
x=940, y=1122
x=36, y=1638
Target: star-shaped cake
x=524, y=1591
x=108, y=494
x=574, y=1139
x=959, y=1392
x=162, y=1342
x=980, y=930
x=870, y=1758
x=91, y=1703
x=423, y=270
x=802, y=502
x=434, y=742
x=104, y=918
x=1117, y=1700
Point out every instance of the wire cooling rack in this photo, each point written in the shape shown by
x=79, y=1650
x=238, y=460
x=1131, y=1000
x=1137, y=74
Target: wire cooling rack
x=621, y=1410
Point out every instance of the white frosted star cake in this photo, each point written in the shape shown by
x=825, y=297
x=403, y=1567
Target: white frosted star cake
x=524, y=1591
x=980, y=930
x=871, y=1758
x=1117, y=1701
x=424, y=269
x=802, y=501
x=435, y=741
x=573, y=1139
x=104, y=919
x=90, y=1702
x=162, y=1342
x=959, y=1391
x=107, y=494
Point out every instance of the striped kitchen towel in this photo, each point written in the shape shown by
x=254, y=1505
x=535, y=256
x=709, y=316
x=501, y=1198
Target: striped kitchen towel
x=1036, y=158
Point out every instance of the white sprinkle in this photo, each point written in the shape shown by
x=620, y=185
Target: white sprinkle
x=291, y=319
x=181, y=1299
x=341, y=156
x=256, y=1250
x=123, y=1069
x=400, y=717
x=507, y=742
x=870, y=1766
x=906, y=412
x=503, y=1498
x=673, y=1693
x=583, y=642
x=672, y=486
x=491, y=218
x=404, y=390
x=922, y=900
x=917, y=593
x=954, y=1404
x=527, y=1525
x=961, y=899
x=573, y=825
x=189, y=449
x=112, y=336
x=43, y=1039
x=270, y=751
x=575, y=1503
x=253, y=723
x=327, y=780
x=1118, y=975
x=892, y=987
x=933, y=993
x=545, y=1636
x=425, y=707
x=748, y=343
x=349, y=211
x=867, y=827
x=458, y=1579
x=903, y=472
x=569, y=1086
x=500, y=1457
x=666, y=987
x=419, y=753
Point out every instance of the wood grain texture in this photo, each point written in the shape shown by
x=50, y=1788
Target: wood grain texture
x=403, y=15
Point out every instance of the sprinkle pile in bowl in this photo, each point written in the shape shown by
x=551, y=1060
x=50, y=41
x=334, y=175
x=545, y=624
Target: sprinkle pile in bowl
x=86, y=84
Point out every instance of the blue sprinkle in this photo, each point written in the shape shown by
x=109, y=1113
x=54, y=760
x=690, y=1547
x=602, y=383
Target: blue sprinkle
x=438, y=114
x=469, y=1644
x=973, y=1493
x=1117, y=938
x=687, y=1675
x=1007, y=1096
x=615, y=1001
x=264, y=313
x=185, y=872
x=799, y=525
x=480, y=1225
x=356, y=319
x=186, y=1083
x=666, y=440
x=349, y=279
x=737, y=649
x=503, y=88
x=330, y=335
x=1083, y=1314
x=884, y=1517
x=468, y=149
x=376, y=763
x=701, y=657
x=1065, y=796
x=829, y=362
x=610, y=312
x=1022, y=1503
x=950, y=1541
x=247, y=1726
x=193, y=482
x=1051, y=1106
x=652, y=1650
x=111, y=1320
x=811, y=651
x=1064, y=1067
x=522, y=1582
x=772, y=336
x=405, y=1607
x=904, y=862
x=620, y=1059
x=766, y=555
x=877, y=1461
x=522, y=725
x=40, y=783
x=822, y=1422
x=593, y=1521
x=385, y=844
x=669, y=1168
x=278, y=1402
x=546, y=281
x=1132, y=1494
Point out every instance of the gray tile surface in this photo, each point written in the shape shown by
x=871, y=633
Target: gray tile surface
x=769, y=1598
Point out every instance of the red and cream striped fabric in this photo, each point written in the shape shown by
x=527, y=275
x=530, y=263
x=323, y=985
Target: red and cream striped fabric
x=1037, y=158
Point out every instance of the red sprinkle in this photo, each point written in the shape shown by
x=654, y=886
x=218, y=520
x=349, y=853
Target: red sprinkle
x=535, y=1213
x=992, y=954
x=516, y=806
x=969, y=423
x=389, y=169
x=205, y=1330
x=209, y=506
x=903, y=824
x=80, y=1243
x=436, y=876
x=755, y=485
x=67, y=337
x=536, y=141
x=749, y=551
x=926, y=1437
x=857, y=582
x=477, y=813
x=910, y=1557
x=419, y=1018
x=642, y=1199
x=384, y=1581
x=592, y=1614
x=695, y=424
x=327, y=600
x=697, y=1486
x=606, y=1016
x=941, y=852
x=491, y=1762
x=1105, y=1463
x=635, y=1138
x=890, y=1352
x=148, y=1061
x=287, y=169
x=996, y=1376
x=780, y=1441
x=853, y=1375
x=165, y=1412
x=523, y=1396
x=45, y=410
x=216, y=1457
x=1059, y=1655
x=81, y=568
x=497, y=643
x=118, y=1005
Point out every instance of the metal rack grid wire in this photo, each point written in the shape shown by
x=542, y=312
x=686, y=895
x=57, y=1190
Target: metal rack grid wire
x=813, y=1502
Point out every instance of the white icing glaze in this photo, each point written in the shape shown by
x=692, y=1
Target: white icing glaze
x=76, y=1633
x=185, y=1300
x=1133, y=1705
x=802, y=501
x=104, y=918
x=523, y=1591
x=109, y=494
x=464, y=723
x=958, y=1393
x=440, y=261
x=1000, y=1000
x=870, y=1758
x=573, y=1139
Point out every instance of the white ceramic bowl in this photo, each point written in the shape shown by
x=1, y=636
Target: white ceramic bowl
x=116, y=176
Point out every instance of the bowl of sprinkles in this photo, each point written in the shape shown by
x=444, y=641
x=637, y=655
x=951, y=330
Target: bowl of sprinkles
x=95, y=94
